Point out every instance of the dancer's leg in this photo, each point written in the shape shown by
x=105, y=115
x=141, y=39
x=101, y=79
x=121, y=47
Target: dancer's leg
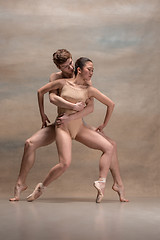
x=114, y=168
x=115, y=171
x=64, y=145
x=118, y=185
x=43, y=137
x=94, y=140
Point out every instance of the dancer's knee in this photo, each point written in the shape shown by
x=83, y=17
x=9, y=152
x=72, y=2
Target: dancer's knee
x=114, y=144
x=29, y=144
x=109, y=149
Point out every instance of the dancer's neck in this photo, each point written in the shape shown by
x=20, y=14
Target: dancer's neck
x=67, y=75
x=80, y=81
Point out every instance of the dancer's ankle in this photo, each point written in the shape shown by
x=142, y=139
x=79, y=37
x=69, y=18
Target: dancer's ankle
x=118, y=184
x=43, y=186
x=20, y=181
x=101, y=179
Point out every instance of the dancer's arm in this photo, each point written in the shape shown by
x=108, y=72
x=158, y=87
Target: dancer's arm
x=88, y=109
x=59, y=101
x=54, y=86
x=93, y=92
x=46, y=88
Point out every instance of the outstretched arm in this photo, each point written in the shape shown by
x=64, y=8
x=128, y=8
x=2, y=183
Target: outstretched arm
x=93, y=92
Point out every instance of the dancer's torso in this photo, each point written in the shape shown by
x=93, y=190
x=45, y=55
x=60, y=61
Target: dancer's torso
x=73, y=93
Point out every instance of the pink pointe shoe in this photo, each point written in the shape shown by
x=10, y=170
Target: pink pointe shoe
x=36, y=193
x=100, y=189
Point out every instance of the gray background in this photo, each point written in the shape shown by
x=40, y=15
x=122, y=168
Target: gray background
x=122, y=39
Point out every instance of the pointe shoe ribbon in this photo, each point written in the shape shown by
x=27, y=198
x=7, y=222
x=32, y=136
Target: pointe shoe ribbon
x=36, y=193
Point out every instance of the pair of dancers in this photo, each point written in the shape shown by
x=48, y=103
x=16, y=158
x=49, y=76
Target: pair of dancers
x=73, y=93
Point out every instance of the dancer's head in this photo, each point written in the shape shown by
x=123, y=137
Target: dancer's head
x=63, y=60
x=84, y=67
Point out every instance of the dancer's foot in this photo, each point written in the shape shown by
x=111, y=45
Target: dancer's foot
x=100, y=186
x=36, y=193
x=17, y=191
x=120, y=190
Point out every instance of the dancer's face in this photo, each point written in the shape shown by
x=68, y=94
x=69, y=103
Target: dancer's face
x=87, y=71
x=67, y=67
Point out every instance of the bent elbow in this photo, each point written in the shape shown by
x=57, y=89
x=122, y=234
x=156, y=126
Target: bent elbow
x=52, y=100
x=112, y=106
x=38, y=92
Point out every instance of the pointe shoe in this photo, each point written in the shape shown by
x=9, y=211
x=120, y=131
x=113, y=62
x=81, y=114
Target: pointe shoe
x=17, y=191
x=100, y=190
x=36, y=193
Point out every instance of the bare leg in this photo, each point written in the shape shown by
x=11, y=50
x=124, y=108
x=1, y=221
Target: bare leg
x=114, y=168
x=64, y=145
x=115, y=171
x=94, y=140
x=41, y=138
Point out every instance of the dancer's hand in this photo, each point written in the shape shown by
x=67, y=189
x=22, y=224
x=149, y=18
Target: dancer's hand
x=44, y=121
x=100, y=128
x=79, y=106
x=62, y=119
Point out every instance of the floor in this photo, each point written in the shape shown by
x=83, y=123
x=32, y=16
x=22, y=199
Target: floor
x=80, y=219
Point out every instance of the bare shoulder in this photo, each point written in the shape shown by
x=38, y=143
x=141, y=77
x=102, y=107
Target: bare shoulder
x=55, y=76
x=91, y=91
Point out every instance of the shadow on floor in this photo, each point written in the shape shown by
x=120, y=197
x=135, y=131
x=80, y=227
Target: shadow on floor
x=72, y=199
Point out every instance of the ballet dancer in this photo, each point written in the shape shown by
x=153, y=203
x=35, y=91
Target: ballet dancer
x=45, y=136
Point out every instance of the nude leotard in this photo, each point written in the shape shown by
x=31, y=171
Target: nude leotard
x=72, y=93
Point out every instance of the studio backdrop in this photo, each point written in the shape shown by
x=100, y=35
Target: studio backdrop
x=122, y=38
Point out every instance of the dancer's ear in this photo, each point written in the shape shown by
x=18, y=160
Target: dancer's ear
x=79, y=70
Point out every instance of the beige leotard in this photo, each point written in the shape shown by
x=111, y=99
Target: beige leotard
x=72, y=93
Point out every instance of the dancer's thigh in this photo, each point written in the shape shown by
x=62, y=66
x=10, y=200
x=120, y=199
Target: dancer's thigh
x=88, y=126
x=102, y=134
x=92, y=139
x=64, y=146
x=43, y=137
